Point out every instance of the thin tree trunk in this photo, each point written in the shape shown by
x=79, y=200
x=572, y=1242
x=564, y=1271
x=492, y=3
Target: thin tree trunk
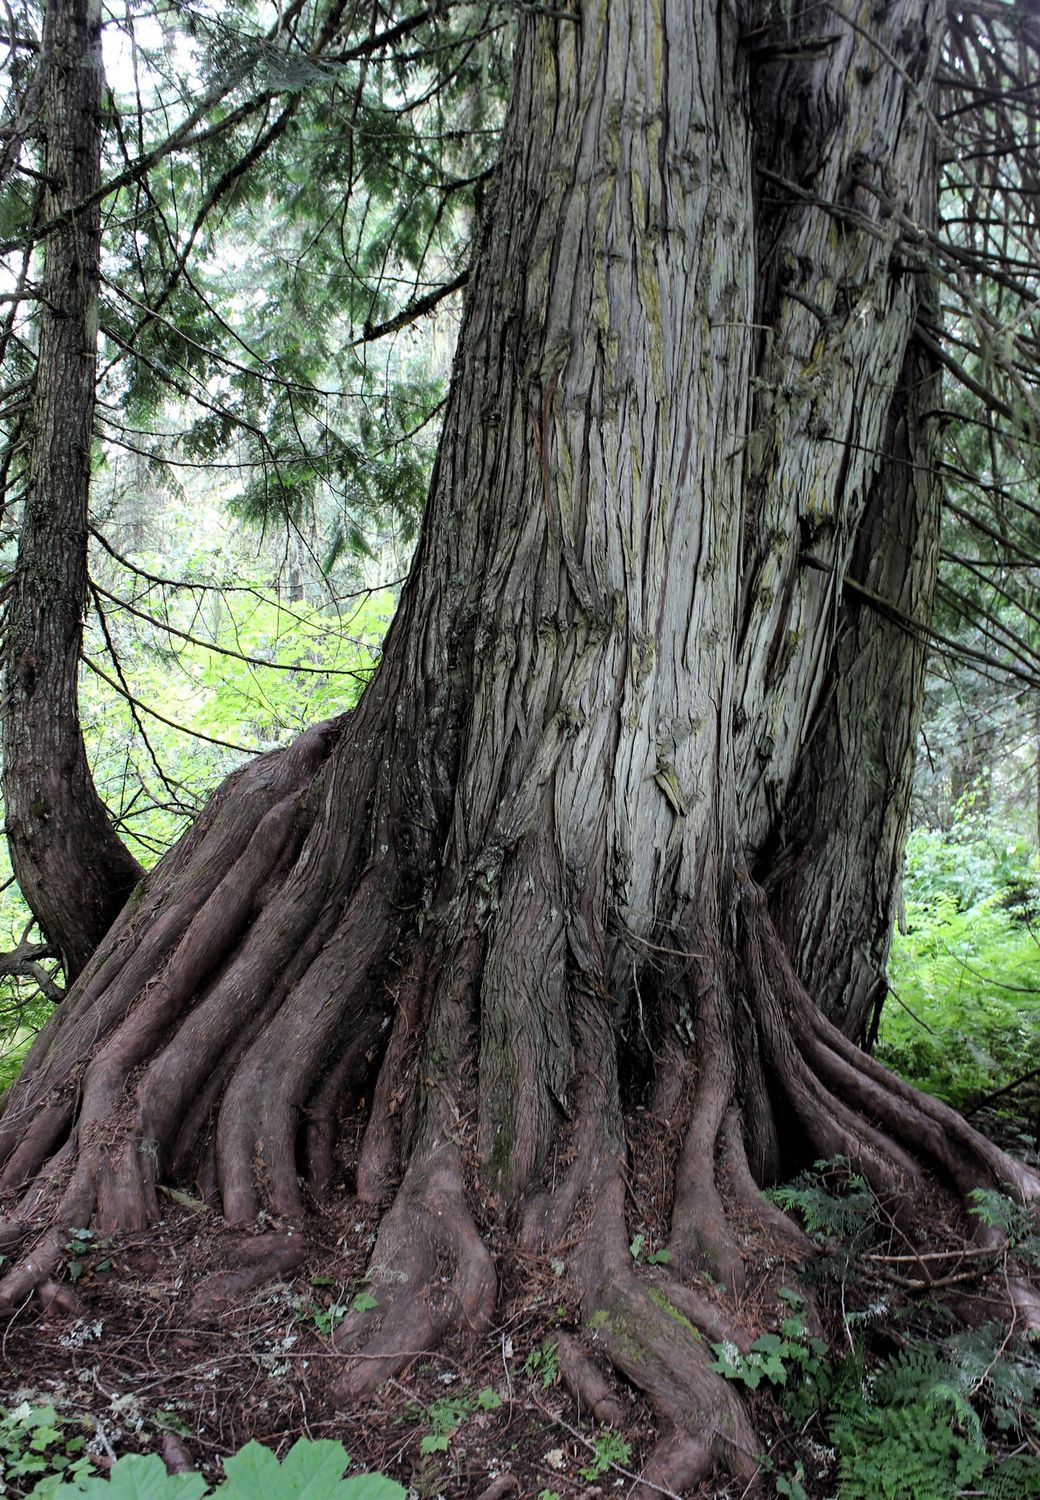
x=72, y=868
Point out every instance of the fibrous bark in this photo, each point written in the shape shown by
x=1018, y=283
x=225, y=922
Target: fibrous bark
x=71, y=866
x=507, y=920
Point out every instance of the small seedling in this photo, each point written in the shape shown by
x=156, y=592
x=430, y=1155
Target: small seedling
x=326, y=1316
x=327, y=1319
x=652, y=1258
x=543, y=1364
x=609, y=1448
x=84, y=1253
x=444, y=1418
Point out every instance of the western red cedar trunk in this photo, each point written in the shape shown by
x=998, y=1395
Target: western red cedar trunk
x=72, y=868
x=625, y=799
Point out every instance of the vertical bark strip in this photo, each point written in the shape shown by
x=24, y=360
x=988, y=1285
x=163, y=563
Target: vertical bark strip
x=72, y=868
x=835, y=873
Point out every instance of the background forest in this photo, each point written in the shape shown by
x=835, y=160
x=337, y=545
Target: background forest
x=286, y=223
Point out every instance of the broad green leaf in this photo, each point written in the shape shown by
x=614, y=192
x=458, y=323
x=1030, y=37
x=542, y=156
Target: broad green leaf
x=371, y=1487
x=135, y=1477
x=311, y=1471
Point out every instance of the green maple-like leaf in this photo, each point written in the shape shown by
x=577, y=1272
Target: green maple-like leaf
x=371, y=1487
x=135, y=1477
x=310, y=1471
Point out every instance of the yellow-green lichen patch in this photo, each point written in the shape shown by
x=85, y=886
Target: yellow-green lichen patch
x=658, y=1298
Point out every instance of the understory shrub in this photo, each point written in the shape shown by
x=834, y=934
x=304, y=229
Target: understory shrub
x=965, y=973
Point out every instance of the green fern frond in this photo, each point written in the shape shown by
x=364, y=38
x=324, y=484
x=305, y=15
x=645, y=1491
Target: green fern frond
x=1013, y=1479
x=908, y=1432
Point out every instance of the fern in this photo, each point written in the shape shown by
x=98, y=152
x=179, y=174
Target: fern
x=902, y=1453
x=1006, y=1375
x=921, y=1374
x=1013, y=1221
x=908, y=1433
x=1013, y=1479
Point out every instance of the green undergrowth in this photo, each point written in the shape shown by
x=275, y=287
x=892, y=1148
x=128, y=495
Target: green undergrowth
x=905, y=1403
x=964, y=1017
x=43, y=1457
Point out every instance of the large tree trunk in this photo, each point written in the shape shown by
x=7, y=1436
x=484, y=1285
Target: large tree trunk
x=72, y=868
x=506, y=924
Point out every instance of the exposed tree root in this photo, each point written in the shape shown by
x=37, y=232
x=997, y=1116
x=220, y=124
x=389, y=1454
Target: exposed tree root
x=650, y=1341
x=258, y=1259
x=700, y=1233
x=590, y=1388
x=430, y=1274
x=505, y=1484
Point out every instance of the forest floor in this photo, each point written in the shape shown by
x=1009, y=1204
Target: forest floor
x=152, y=1377
x=134, y=1363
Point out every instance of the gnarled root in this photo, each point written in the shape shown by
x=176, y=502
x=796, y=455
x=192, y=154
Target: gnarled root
x=430, y=1274
x=651, y=1341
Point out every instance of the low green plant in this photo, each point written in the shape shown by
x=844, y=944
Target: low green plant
x=932, y=1420
x=789, y=1486
x=652, y=1257
x=910, y=1430
x=311, y=1470
x=445, y=1416
x=325, y=1311
x=914, y=1425
x=85, y=1253
x=608, y=1448
x=1003, y=1375
x=792, y=1358
x=1014, y=1222
x=39, y=1449
x=834, y=1203
x=542, y=1364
